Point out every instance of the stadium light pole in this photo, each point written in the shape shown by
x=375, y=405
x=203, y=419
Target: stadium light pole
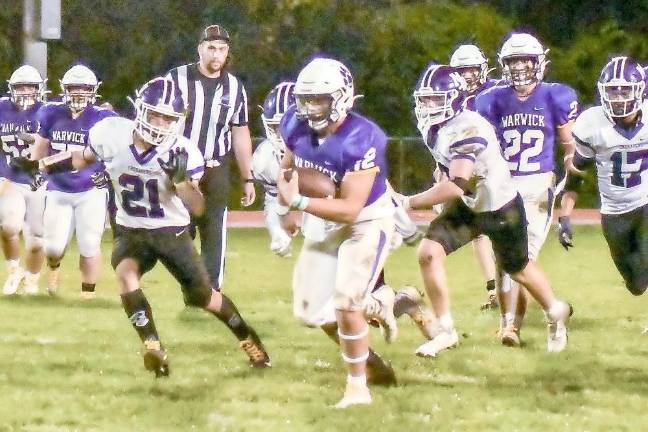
x=41, y=22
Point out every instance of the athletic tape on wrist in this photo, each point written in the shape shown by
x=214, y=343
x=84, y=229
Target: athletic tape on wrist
x=357, y=336
x=354, y=360
x=282, y=210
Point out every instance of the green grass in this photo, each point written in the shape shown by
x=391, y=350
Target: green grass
x=70, y=365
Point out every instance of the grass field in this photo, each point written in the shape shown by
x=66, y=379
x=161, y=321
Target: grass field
x=69, y=365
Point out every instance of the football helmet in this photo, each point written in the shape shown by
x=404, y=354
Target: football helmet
x=159, y=95
x=439, y=95
x=470, y=56
x=522, y=46
x=274, y=107
x=21, y=80
x=328, y=79
x=79, y=85
x=621, y=87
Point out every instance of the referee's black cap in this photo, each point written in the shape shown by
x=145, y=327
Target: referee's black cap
x=215, y=32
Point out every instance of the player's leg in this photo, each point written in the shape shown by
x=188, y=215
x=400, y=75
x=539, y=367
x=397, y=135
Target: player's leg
x=483, y=250
x=90, y=216
x=12, y=207
x=131, y=258
x=506, y=229
x=33, y=234
x=452, y=229
x=58, y=226
x=180, y=257
x=361, y=256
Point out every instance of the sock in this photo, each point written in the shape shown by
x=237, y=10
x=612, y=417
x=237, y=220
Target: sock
x=29, y=276
x=490, y=285
x=446, y=322
x=54, y=267
x=509, y=318
x=360, y=380
x=13, y=264
x=140, y=314
x=230, y=316
x=87, y=287
x=518, y=320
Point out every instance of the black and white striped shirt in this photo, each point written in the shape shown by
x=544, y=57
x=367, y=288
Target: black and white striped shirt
x=214, y=105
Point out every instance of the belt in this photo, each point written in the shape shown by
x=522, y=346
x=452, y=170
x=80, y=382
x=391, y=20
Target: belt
x=212, y=163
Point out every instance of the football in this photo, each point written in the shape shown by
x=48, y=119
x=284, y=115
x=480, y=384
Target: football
x=313, y=183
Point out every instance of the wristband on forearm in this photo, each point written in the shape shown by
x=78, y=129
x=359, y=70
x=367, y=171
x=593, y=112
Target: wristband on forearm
x=300, y=202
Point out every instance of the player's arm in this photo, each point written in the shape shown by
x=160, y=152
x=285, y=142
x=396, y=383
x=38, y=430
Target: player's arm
x=460, y=173
x=242, y=145
x=40, y=148
x=189, y=192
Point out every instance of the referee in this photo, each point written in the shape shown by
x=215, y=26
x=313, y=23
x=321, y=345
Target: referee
x=217, y=123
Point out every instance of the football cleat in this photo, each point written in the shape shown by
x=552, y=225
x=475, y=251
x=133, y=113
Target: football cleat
x=380, y=372
x=255, y=350
x=354, y=394
x=442, y=341
x=382, y=309
x=410, y=301
x=557, y=327
x=53, y=281
x=156, y=359
x=491, y=301
x=16, y=275
x=30, y=283
x=510, y=336
x=88, y=295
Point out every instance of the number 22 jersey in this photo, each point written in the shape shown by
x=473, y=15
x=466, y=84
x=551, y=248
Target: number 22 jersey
x=144, y=195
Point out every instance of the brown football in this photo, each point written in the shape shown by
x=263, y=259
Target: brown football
x=313, y=183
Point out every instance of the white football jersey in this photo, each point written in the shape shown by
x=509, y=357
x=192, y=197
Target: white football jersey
x=621, y=159
x=144, y=195
x=470, y=136
x=266, y=162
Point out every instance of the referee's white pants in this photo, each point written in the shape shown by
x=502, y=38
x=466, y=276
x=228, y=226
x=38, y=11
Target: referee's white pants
x=83, y=213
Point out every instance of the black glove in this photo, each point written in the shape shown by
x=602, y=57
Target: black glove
x=29, y=167
x=176, y=166
x=100, y=179
x=565, y=233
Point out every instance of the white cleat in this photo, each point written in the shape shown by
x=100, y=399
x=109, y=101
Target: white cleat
x=442, y=341
x=88, y=295
x=409, y=301
x=14, y=278
x=557, y=319
x=53, y=281
x=354, y=395
x=30, y=284
x=384, y=312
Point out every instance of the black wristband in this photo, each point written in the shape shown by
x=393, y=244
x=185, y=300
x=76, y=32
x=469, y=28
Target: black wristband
x=249, y=180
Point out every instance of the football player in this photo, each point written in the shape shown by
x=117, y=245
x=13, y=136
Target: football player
x=529, y=115
x=614, y=137
x=338, y=267
x=472, y=64
x=479, y=199
x=21, y=207
x=155, y=173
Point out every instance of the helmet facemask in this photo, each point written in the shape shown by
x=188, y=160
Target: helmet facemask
x=319, y=110
x=23, y=97
x=271, y=126
x=156, y=134
x=522, y=70
x=474, y=75
x=78, y=96
x=620, y=98
x=433, y=107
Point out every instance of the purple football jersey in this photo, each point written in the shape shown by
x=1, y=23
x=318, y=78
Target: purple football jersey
x=12, y=121
x=470, y=100
x=357, y=145
x=527, y=129
x=65, y=133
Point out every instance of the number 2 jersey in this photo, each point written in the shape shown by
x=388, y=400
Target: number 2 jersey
x=621, y=158
x=527, y=129
x=144, y=195
x=12, y=121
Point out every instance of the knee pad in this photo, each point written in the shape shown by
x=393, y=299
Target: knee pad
x=197, y=296
x=34, y=243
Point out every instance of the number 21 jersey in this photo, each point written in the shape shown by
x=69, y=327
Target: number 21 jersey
x=144, y=194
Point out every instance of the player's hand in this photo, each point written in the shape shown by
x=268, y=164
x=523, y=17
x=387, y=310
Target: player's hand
x=570, y=167
x=100, y=179
x=24, y=164
x=249, y=194
x=288, y=189
x=25, y=138
x=281, y=248
x=402, y=200
x=289, y=224
x=176, y=166
x=565, y=233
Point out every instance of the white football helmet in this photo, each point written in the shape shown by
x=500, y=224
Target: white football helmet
x=470, y=56
x=324, y=77
x=523, y=45
x=26, y=76
x=79, y=85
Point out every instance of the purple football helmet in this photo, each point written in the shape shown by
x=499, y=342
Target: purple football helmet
x=439, y=95
x=161, y=96
x=274, y=107
x=621, y=87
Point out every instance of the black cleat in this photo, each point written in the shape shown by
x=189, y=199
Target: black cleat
x=255, y=350
x=156, y=359
x=491, y=301
x=380, y=372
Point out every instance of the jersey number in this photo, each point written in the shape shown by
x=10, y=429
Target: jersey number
x=134, y=191
x=527, y=145
x=10, y=148
x=627, y=167
x=368, y=161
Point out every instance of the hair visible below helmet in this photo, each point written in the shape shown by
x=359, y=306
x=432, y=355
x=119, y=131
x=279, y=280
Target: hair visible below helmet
x=79, y=85
x=324, y=77
x=470, y=56
x=159, y=95
x=523, y=45
x=274, y=107
x=442, y=84
x=26, y=76
x=621, y=87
